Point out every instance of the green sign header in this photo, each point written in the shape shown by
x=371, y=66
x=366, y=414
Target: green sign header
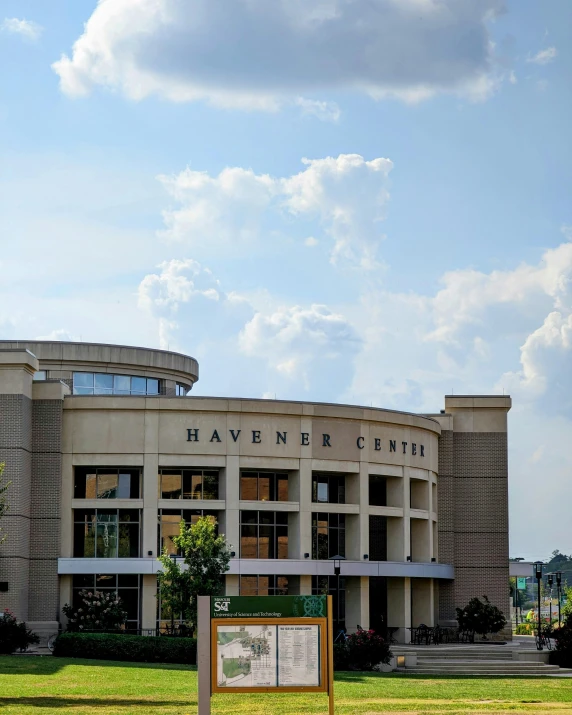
x=268, y=607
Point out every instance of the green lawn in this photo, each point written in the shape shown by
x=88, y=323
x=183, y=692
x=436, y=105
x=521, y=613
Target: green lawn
x=44, y=685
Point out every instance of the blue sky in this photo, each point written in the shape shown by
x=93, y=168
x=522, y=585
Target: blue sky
x=154, y=192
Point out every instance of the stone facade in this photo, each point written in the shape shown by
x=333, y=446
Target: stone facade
x=436, y=536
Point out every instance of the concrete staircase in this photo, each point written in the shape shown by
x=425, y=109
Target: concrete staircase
x=479, y=660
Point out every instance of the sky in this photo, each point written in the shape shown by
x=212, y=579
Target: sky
x=328, y=200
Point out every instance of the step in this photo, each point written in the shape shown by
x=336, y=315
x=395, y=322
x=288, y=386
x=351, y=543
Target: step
x=546, y=670
x=483, y=664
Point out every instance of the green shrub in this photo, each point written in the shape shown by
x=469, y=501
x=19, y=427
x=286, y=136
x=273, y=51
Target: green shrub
x=14, y=635
x=525, y=629
x=481, y=617
x=99, y=611
x=114, y=646
x=362, y=650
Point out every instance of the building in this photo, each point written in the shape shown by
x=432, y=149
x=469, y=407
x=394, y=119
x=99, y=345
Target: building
x=106, y=455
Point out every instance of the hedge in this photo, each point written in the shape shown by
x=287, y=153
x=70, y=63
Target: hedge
x=140, y=649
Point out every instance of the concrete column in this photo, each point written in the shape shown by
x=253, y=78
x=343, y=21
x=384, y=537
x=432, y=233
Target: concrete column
x=422, y=602
x=363, y=544
x=304, y=535
x=150, y=485
x=65, y=595
x=399, y=607
x=357, y=602
x=305, y=585
x=406, y=514
x=232, y=513
x=232, y=585
x=149, y=601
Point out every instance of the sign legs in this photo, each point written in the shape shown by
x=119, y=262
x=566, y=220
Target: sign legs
x=204, y=654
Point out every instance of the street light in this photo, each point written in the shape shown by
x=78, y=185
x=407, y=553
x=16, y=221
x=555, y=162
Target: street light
x=550, y=582
x=538, y=576
x=558, y=575
x=337, y=571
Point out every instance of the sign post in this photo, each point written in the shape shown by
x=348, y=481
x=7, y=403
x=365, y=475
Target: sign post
x=264, y=644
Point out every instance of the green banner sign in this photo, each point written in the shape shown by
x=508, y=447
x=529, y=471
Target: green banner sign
x=521, y=584
x=269, y=607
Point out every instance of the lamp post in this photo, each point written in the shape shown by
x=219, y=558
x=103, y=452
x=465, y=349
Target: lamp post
x=558, y=575
x=550, y=582
x=538, y=576
x=337, y=571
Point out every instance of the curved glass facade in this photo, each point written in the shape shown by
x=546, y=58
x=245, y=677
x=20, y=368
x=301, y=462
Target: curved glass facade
x=102, y=383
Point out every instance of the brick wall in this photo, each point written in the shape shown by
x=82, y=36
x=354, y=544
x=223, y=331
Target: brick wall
x=15, y=452
x=473, y=518
x=47, y=418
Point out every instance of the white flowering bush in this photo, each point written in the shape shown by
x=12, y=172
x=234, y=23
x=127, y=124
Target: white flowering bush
x=98, y=611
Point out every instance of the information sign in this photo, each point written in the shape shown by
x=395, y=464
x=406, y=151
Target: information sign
x=265, y=643
x=521, y=584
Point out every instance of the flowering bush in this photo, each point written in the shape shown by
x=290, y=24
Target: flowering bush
x=99, y=611
x=366, y=650
x=14, y=635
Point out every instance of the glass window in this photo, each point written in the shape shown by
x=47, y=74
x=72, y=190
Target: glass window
x=40, y=375
x=139, y=384
x=152, y=386
x=127, y=588
x=169, y=526
x=106, y=533
x=270, y=585
x=121, y=384
x=335, y=587
x=106, y=483
x=328, y=535
x=103, y=384
x=377, y=490
x=83, y=379
x=329, y=488
x=263, y=486
x=188, y=484
x=263, y=535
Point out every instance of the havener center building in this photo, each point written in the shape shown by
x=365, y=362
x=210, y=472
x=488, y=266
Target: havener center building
x=106, y=454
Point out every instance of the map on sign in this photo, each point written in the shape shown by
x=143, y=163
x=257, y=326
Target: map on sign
x=268, y=656
x=246, y=656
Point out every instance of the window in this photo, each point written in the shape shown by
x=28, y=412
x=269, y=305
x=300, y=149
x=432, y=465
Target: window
x=100, y=383
x=169, y=525
x=263, y=535
x=126, y=586
x=264, y=486
x=328, y=586
x=40, y=375
x=378, y=538
x=377, y=490
x=107, y=482
x=188, y=484
x=181, y=390
x=264, y=585
x=106, y=533
x=329, y=488
x=328, y=535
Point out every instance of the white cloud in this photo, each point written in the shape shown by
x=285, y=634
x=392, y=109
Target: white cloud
x=255, y=53
x=25, y=28
x=311, y=241
x=59, y=334
x=544, y=57
x=302, y=344
x=346, y=196
x=325, y=111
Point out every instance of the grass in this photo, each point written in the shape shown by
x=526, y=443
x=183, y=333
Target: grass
x=44, y=685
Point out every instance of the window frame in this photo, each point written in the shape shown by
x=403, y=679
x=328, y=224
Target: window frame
x=131, y=623
x=191, y=472
x=275, y=478
x=275, y=522
x=332, y=530
x=192, y=512
x=336, y=484
x=84, y=472
x=95, y=522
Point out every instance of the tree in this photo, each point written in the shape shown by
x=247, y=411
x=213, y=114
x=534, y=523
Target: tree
x=480, y=617
x=206, y=557
x=3, y=503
